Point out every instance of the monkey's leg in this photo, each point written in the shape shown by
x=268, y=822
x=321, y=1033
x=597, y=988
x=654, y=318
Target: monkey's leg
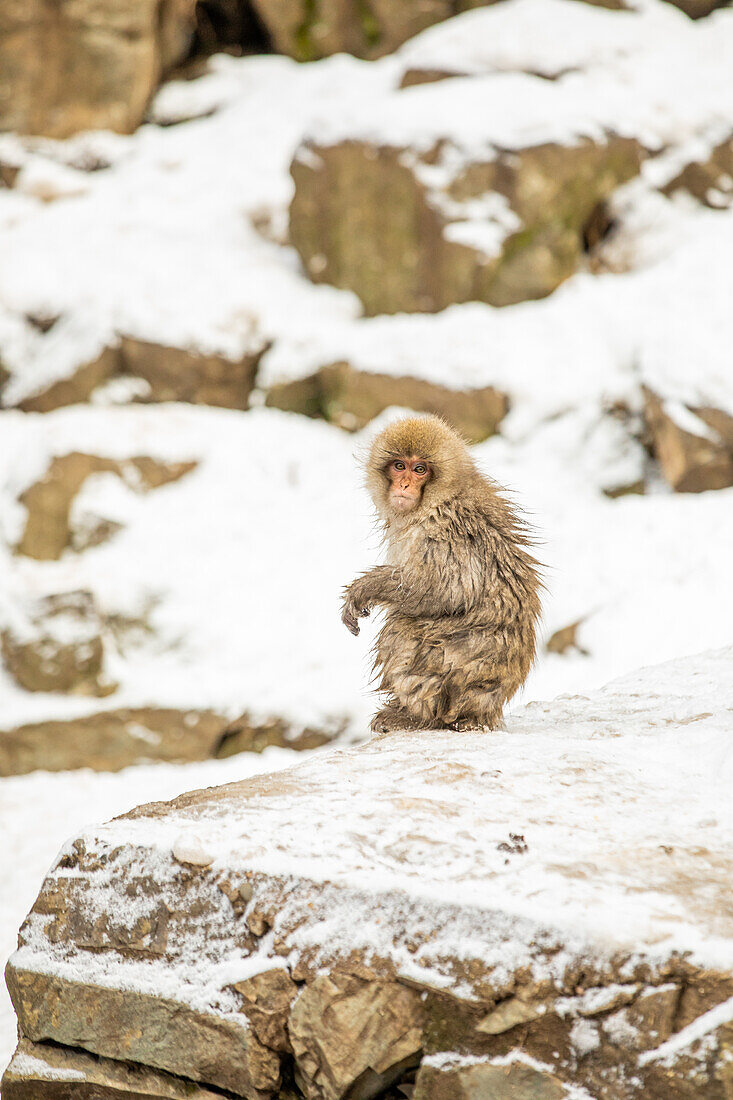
x=476, y=709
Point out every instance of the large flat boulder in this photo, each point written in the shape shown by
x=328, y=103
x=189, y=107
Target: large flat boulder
x=520, y=914
x=86, y=65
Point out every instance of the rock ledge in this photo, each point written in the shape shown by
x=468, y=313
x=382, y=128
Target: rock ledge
x=520, y=914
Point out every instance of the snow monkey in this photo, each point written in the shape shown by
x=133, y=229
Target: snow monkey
x=460, y=591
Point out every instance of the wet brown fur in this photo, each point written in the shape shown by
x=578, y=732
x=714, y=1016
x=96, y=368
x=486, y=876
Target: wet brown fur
x=460, y=590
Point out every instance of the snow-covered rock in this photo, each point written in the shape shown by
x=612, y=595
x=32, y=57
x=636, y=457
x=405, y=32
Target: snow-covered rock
x=352, y=398
x=420, y=226
x=694, y=446
x=550, y=900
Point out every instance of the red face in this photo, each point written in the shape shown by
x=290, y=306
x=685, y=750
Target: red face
x=407, y=479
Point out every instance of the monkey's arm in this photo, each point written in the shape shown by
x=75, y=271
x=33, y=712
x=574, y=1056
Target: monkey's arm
x=379, y=585
x=431, y=594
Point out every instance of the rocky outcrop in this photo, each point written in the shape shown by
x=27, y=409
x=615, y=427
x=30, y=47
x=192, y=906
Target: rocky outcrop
x=78, y=387
x=307, y=30
x=697, y=9
x=178, y=374
x=709, y=180
x=565, y=640
x=111, y=739
x=462, y=1079
x=408, y=231
x=134, y=616
x=61, y=1073
x=352, y=1037
x=351, y=398
x=108, y=740
x=692, y=444
x=245, y=938
x=86, y=66
x=61, y=648
x=48, y=529
x=159, y=372
x=311, y=29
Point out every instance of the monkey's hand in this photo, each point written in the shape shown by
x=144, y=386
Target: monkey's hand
x=354, y=607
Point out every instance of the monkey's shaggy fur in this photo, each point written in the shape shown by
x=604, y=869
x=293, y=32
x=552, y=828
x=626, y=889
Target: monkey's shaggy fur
x=461, y=592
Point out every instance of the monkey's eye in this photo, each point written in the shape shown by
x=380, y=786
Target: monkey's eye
x=420, y=469
x=398, y=465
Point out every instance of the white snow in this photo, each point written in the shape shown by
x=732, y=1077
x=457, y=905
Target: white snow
x=28, y=1065
x=510, y=39
x=584, y=1037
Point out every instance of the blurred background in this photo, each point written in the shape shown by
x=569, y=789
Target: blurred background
x=235, y=237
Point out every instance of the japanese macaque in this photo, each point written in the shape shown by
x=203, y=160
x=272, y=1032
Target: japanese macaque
x=460, y=591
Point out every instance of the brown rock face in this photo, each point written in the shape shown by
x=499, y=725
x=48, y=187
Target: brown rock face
x=565, y=640
x=500, y=1082
x=242, y=735
x=352, y=1037
x=61, y=1073
x=371, y=28
x=150, y=1030
x=175, y=374
x=691, y=462
x=710, y=181
x=50, y=661
x=351, y=398
x=698, y=9
x=111, y=739
x=169, y=374
x=67, y=66
x=266, y=1002
x=48, y=531
x=362, y=219
x=77, y=388
x=307, y=31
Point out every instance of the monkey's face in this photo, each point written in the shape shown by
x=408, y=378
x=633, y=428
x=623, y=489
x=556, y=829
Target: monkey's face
x=406, y=477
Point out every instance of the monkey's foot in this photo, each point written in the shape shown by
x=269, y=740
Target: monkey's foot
x=471, y=725
x=392, y=718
